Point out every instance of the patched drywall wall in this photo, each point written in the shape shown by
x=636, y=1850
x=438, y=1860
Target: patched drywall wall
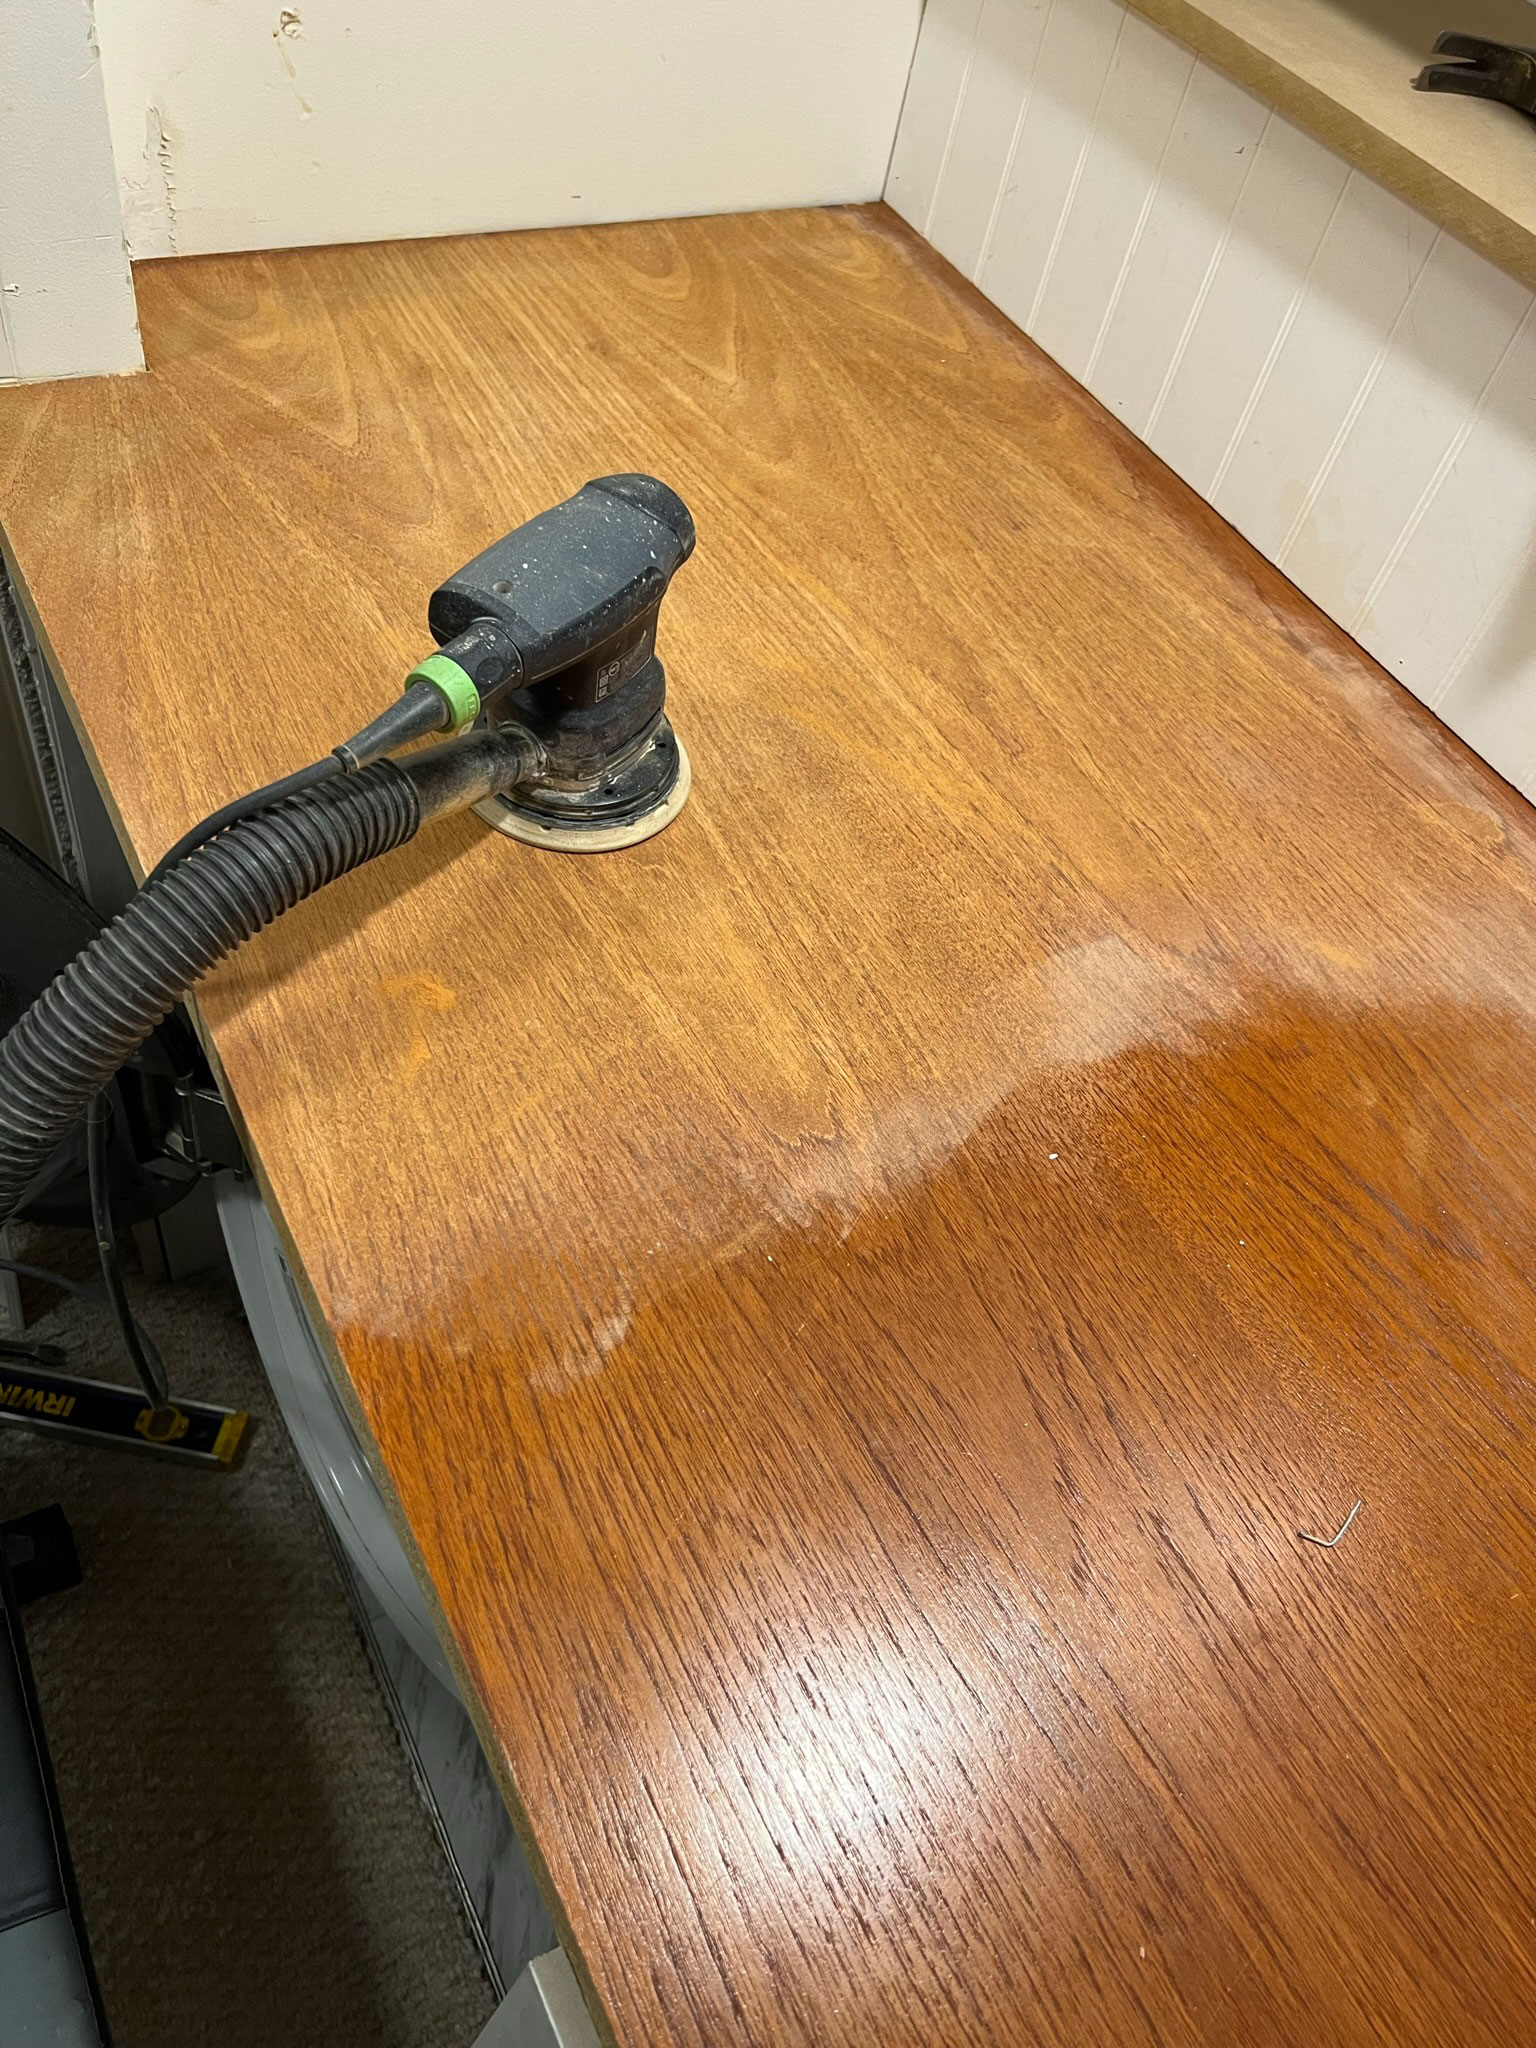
x=246, y=124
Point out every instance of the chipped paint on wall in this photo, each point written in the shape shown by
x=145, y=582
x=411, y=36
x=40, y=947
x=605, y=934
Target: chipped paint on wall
x=147, y=190
x=360, y=120
x=289, y=29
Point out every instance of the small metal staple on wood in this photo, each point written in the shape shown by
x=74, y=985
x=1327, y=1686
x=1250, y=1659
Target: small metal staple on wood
x=1329, y=1542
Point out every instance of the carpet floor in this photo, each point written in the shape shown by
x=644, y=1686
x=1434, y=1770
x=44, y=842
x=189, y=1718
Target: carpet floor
x=255, y=1866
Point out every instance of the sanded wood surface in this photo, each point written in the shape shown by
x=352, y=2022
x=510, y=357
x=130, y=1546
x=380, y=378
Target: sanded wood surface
x=856, y=1297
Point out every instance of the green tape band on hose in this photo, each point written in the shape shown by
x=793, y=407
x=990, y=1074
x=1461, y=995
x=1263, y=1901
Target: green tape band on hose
x=455, y=685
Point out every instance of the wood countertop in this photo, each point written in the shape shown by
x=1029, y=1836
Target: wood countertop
x=855, y=1298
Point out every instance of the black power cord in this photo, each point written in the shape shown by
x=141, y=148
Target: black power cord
x=46, y=1275
x=142, y=1354
x=245, y=807
x=422, y=710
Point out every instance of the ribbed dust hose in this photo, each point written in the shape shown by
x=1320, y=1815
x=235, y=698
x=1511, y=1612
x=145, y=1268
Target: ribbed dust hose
x=74, y=1037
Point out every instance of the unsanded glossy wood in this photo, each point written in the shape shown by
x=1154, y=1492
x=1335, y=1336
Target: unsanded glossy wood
x=857, y=1297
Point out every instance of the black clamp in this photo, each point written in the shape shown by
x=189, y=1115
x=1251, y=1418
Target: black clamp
x=1484, y=71
x=202, y=1135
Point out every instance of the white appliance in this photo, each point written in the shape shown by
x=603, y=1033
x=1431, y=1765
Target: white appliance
x=321, y=1430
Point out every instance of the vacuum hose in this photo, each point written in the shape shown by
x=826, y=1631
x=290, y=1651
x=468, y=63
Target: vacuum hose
x=71, y=1041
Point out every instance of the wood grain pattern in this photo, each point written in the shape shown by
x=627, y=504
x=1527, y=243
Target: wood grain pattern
x=862, y=1291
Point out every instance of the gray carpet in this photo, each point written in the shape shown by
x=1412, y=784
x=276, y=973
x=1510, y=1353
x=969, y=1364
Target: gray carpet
x=255, y=1866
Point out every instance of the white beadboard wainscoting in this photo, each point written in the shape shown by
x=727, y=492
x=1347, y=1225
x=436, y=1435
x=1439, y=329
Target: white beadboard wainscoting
x=1350, y=386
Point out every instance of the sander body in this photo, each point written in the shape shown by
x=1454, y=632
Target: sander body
x=554, y=626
